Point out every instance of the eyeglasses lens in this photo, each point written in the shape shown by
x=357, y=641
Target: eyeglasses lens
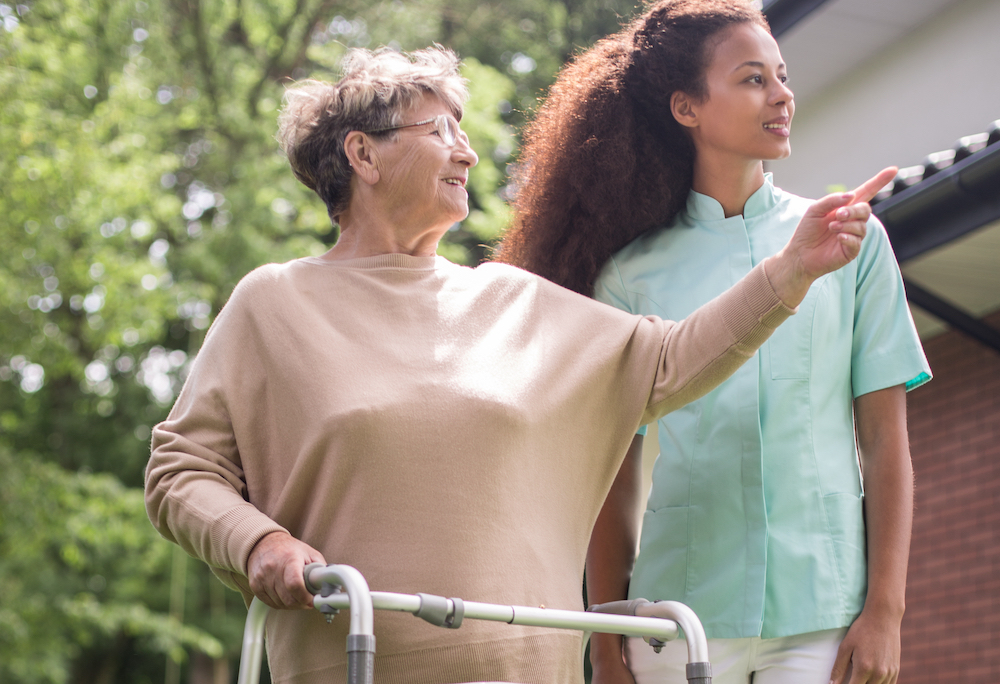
x=448, y=130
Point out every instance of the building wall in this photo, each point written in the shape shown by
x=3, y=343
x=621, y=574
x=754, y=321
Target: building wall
x=951, y=631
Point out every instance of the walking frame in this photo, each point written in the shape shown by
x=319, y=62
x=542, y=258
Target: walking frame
x=337, y=587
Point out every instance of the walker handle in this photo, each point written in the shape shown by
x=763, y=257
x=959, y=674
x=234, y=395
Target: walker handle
x=699, y=671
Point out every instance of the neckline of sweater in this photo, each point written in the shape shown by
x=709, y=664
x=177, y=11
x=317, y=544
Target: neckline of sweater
x=404, y=261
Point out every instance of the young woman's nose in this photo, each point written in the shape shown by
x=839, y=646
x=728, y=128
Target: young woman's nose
x=781, y=93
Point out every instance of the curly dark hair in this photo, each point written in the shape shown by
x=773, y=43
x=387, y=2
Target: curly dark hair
x=604, y=161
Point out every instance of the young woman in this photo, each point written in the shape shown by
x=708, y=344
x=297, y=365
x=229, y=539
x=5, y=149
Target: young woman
x=642, y=184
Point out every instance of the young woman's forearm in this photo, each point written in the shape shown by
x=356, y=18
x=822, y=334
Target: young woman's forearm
x=888, y=475
x=611, y=556
x=872, y=644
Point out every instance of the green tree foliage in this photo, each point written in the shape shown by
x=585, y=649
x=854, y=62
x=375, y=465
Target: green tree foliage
x=82, y=575
x=141, y=182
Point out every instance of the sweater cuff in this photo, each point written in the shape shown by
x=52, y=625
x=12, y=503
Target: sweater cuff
x=758, y=312
x=239, y=530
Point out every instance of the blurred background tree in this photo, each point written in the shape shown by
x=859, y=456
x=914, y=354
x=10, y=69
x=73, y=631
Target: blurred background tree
x=141, y=182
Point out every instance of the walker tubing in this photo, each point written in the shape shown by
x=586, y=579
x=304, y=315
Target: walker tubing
x=253, y=643
x=699, y=670
x=657, y=621
x=320, y=579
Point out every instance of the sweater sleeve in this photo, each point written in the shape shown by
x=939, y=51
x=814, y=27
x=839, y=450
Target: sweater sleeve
x=700, y=352
x=195, y=491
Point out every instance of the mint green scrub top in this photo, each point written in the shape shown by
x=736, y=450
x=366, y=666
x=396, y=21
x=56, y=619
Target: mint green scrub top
x=755, y=516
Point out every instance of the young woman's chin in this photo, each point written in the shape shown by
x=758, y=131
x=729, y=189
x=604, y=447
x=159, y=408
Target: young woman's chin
x=780, y=152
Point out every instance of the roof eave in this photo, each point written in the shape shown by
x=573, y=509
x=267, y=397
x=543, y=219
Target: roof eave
x=784, y=14
x=945, y=206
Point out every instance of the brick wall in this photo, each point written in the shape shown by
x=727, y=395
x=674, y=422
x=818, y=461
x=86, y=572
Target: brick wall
x=951, y=631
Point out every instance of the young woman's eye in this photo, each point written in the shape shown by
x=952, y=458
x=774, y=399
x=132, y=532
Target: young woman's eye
x=755, y=79
x=784, y=79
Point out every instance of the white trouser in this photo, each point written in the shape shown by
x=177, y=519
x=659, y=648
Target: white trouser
x=800, y=659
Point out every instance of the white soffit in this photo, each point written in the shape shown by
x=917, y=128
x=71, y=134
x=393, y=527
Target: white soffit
x=965, y=271
x=837, y=38
x=842, y=34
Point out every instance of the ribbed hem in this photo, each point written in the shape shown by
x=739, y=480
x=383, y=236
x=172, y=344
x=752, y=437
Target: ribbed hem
x=541, y=659
x=760, y=312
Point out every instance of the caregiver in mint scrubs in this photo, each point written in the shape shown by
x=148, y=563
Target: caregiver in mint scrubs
x=757, y=515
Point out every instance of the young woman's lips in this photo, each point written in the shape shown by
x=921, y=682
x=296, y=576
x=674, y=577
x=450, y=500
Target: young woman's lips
x=778, y=127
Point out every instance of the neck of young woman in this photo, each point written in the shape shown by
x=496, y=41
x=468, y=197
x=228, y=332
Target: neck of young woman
x=729, y=182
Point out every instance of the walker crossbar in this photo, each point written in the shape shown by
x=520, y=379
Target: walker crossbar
x=656, y=622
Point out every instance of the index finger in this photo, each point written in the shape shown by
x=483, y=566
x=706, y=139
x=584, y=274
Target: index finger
x=870, y=187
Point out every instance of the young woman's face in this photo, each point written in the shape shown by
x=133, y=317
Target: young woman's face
x=748, y=111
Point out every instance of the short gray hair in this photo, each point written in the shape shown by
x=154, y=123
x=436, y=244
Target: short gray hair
x=375, y=90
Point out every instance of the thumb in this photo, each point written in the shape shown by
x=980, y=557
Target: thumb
x=314, y=556
x=825, y=205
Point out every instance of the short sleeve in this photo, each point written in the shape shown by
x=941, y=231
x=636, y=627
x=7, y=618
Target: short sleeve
x=609, y=288
x=886, y=349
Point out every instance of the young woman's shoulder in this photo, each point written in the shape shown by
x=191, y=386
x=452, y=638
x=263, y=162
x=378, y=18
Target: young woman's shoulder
x=527, y=286
x=792, y=201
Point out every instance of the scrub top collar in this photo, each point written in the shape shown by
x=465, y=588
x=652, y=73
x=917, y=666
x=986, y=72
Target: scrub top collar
x=704, y=208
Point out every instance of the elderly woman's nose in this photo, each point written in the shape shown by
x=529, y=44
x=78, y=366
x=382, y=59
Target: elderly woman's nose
x=463, y=151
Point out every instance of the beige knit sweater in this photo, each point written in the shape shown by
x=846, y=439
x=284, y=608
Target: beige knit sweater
x=408, y=416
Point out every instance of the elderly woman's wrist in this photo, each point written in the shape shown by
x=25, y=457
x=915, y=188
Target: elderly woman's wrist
x=787, y=277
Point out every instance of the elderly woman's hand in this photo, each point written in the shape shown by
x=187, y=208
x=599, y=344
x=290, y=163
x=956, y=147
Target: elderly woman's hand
x=275, y=570
x=828, y=237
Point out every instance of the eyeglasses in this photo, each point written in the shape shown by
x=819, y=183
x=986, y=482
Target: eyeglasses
x=445, y=126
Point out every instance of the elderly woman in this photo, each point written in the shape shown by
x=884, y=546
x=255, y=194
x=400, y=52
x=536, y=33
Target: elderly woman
x=381, y=407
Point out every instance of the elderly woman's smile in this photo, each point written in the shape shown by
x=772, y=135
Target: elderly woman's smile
x=409, y=180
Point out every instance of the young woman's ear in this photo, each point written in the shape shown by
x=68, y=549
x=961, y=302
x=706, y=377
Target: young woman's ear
x=683, y=109
x=362, y=157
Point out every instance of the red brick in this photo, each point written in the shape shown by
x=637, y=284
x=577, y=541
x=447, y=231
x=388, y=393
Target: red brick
x=951, y=630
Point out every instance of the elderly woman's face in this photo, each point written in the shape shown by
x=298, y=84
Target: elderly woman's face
x=425, y=177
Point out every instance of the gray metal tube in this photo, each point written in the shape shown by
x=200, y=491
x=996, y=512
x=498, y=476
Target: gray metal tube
x=659, y=620
x=361, y=635
x=362, y=612
x=360, y=658
x=252, y=652
x=615, y=623
x=360, y=639
x=699, y=670
x=694, y=633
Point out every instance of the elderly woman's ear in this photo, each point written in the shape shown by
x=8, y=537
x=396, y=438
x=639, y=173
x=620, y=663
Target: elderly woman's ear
x=362, y=157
